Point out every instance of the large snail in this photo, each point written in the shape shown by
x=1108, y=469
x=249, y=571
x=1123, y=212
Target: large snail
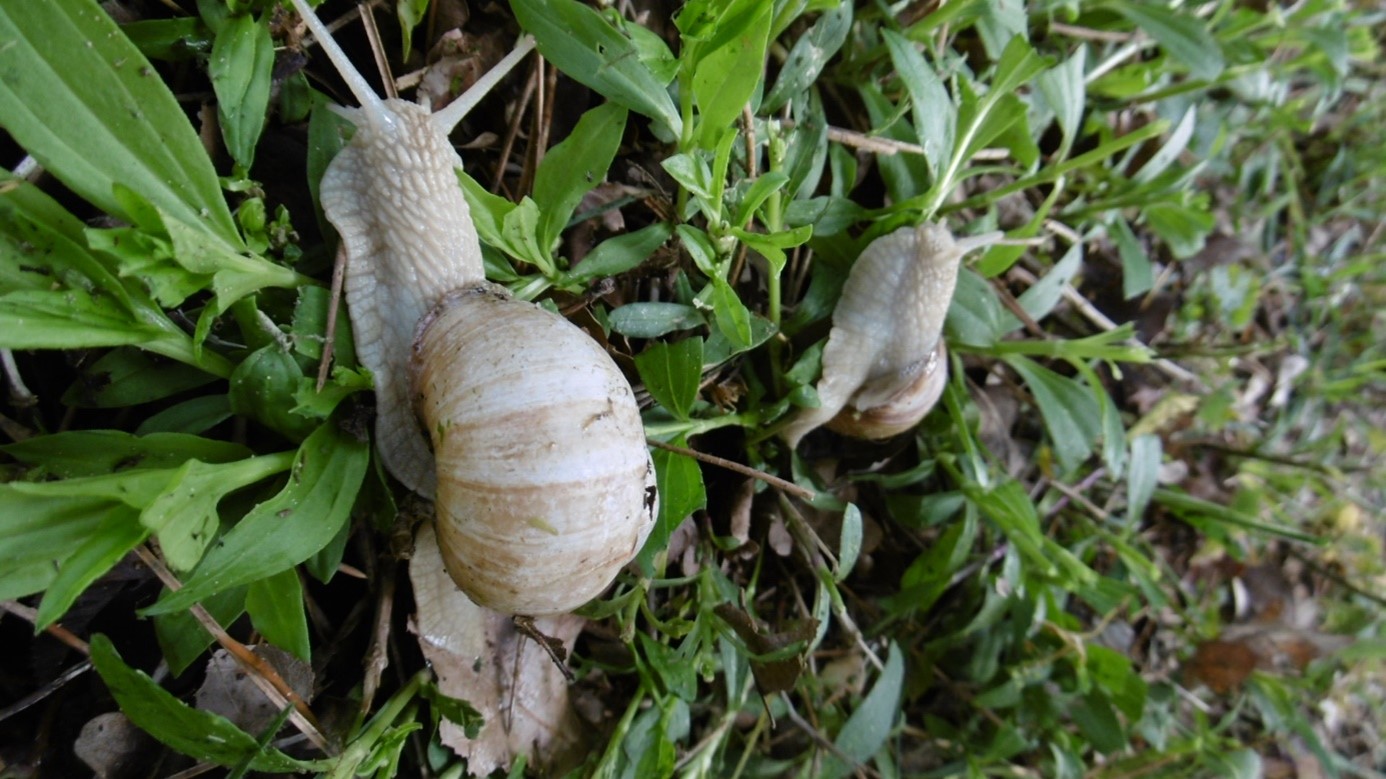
x=885, y=364
x=542, y=482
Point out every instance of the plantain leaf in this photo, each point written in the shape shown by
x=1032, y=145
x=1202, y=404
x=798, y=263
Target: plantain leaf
x=85, y=102
x=302, y=518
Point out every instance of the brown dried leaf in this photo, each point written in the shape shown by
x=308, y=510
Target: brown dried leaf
x=778, y=674
x=1222, y=665
x=229, y=691
x=740, y=513
x=481, y=658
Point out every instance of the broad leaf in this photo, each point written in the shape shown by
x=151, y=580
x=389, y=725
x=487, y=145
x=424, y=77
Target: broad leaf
x=87, y=104
x=302, y=518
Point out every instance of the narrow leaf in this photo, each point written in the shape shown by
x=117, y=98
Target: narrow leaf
x=934, y=113
x=586, y=47
x=681, y=492
x=618, y=255
x=275, y=605
x=572, y=168
x=1184, y=36
x=809, y=56
x=866, y=731
x=242, y=58
x=1070, y=414
x=196, y=733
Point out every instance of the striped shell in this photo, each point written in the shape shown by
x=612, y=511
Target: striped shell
x=545, y=487
x=885, y=364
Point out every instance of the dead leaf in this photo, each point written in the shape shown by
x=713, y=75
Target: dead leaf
x=773, y=670
x=481, y=658
x=1222, y=665
x=110, y=745
x=778, y=536
x=740, y=512
x=229, y=691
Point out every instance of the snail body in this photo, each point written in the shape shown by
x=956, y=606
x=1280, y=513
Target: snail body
x=885, y=364
x=527, y=436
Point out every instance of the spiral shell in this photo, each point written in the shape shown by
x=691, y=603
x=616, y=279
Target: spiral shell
x=885, y=364
x=545, y=486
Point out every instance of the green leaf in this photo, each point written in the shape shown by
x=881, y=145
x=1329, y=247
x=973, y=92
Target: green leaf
x=193, y=416
x=454, y=710
x=302, y=518
x=18, y=581
x=41, y=243
x=196, y=733
x=488, y=211
x=130, y=377
x=99, y=452
x=692, y=173
x=1146, y=458
x=866, y=731
x=520, y=237
x=275, y=605
x=677, y=675
x=265, y=386
x=87, y=105
x=681, y=492
x=771, y=246
x=119, y=532
x=242, y=58
x=1000, y=23
x=652, y=320
x=1183, y=227
x=672, y=373
x=976, y=316
x=574, y=167
x=586, y=47
x=1173, y=148
x=1065, y=92
x=618, y=255
x=730, y=67
x=1070, y=414
x=409, y=13
x=1098, y=722
x=169, y=39
x=184, y=513
x=182, y=639
x=809, y=56
x=763, y=187
x=1010, y=509
x=733, y=319
x=935, y=116
x=1046, y=293
x=76, y=319
x=1137, y=271
x=1184, y=36
x=849, y=542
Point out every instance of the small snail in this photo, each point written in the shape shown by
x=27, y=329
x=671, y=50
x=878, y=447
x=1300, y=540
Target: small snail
x=542, y=483
x=885, y=364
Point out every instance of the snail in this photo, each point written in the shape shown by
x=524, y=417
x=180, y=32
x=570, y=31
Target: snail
x=885, y=364
x=527, y=435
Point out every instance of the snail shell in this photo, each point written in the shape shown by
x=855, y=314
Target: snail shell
x=542, y=483
x=545, y=487
x=885, y=364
